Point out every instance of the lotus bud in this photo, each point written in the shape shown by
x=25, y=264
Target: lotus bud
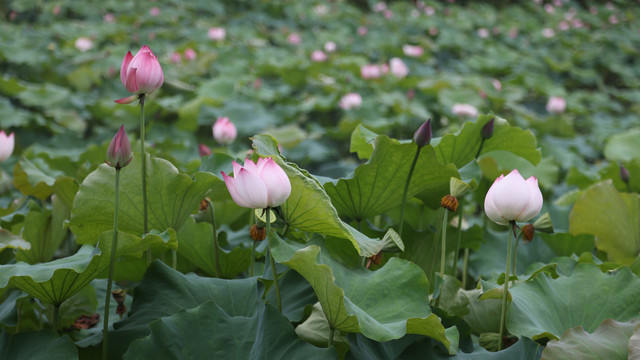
x=512, y=198
x=140, y=74
x=624, y=174
x=487, y=130
x=7, y=143
x=422, y=136
x=119, y=151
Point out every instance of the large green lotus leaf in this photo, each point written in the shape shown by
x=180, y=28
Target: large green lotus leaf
x=353, y=299
x=297, y=296
x=524, y=349
x=565, y=244
x=378, y=185
x=45, y=231
x=308, y=208
x=612, y=217
x=484, y=314
x=609, y=341
x=37, y=345
x=547, y=307
x=623, y=147
x=462, y=147
x=35, y=177
x=171, y=196
x=56, y=281
x=164, y=291
x=361, y=347
x=362, y=142
x=8, y=240
x=315, y=330
x=196, y=245
x=209, y=332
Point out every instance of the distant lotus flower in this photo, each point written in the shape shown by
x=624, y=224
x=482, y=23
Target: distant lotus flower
x=380, y=6
x=388, y=14
x=398, y=68
x=577, y=23
x=7, y=144
x=330, y=46
x=557, y=3
x=321, y=9
x=108, y=17
x=466, y=110
x=190, y=54
x=412, y=51
x=556, y=104
x=318, y=56
x=613, y=19
x=56, y=10
x=140, y=74
x=224, y=132
x=497, y=84
x=370, y=71
x=216, y=33
x=548, y=32
x=549, y=8
x=362, y=30
x=203, y=150
x=294, y=39
x=512, y=198
x=351, y=101
x=175, y=57
x=83, y=44
x=429, y=10
x=483, y=33
x=258, y=186
x=154, y=11
x=563, y=26
x=119, y=151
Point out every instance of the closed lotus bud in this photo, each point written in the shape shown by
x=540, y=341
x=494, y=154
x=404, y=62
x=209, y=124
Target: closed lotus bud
x=257, y=233
x=422, y=136
x=7, y=143
x=203, y=150
x=624, y=174
x=449, y=202
x=512, y=198
x=487, y=130
x=119, y=151
x=140, y=74
x=224, y=132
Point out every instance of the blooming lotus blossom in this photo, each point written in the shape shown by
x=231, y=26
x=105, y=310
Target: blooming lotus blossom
x=119, y=151
x=466, y=110
x=398, y=68
x=190, y=54
x=7, y=144
x=83, y=44
x=217, y=33
x=556, y=104
x=140, y=74
x=330, y=46
x=351, y=101
x=224, y=132
x=318, y=56
x=512, y=198
x=294, y=39
x=412, y=50
x=370, y=71
x=258, y=186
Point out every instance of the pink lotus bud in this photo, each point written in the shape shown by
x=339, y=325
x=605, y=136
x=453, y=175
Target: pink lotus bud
x=217, y=33
x=362, y=30
x=370, y=71
x=318, y=56
x=154, y=11
x=512, y=198
x=422, y=136
x=7, y=144
x=398, y=68
x=175, y=57
x=412, y=51
x=258, y=186
x=294, y=39
x=203, y=150
x=83, y=44
x=497, y=84
x=119, y=151
x=330, y=46
x=140, y=74
x=556, y=105
x=108, y=17
x=190, y=54
x=429, y=10
x=224, y=132
x=465, y=110
x=351, y=101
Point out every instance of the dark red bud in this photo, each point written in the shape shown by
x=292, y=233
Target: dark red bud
x=422, y=136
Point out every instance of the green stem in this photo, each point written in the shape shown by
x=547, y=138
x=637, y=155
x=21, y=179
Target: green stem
x=174, y=259
x=253, y=245
x=331, y=332
x=144, y=174
x=406, y=190
x=273, y=262
x=465, y=268
x=505, y=294
x=480, y=148
x=455, y=256
x=112, y=261
x=443, y=250
x=56, y=317
x=216, y=251
x=515, y=254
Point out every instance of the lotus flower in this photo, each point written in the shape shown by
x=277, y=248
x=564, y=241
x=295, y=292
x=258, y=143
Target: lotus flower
x=412, y=50
x=258, y=186
x=351, y=101
x=7, y=144
x=119, y=151
x=398, y=68
x=556, y=104
x=512, y=198
x=140, y=74
x=224, y=131
x=216, y=33
x=464, y=110
x=318, y=56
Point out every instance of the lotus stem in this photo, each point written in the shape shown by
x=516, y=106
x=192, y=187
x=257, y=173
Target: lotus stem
x=56, y=317
x=273, y=262
x=455, y=257
x=331, y=332
x=505, y=294
x=216, y=250
x=406, y=190
x=144, y=174
x=443, y=245
x=465, y=268
x=112, y=261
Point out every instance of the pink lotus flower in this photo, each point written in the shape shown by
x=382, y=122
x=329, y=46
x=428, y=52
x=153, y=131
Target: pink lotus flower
x=351, y=101
x=398, y=68
x=370, y=71
x=83, y=44
x=380, y=6
x=224, y=132
x=483, y=33
x=512, y=198
x=318, y=56
x=294, y=39
x=108, y=17
x=258, y=186
x=556, y=104
x=140, y=74
x=203, y=150
x=412, y=50
x=7, y=144
x=497, y=84
x=190, y=54
x=330, y=46
x=154, y=11
x=119, y=151
x=429, y=10
x=466, y=110
x=217, y=33
x=362, y=30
